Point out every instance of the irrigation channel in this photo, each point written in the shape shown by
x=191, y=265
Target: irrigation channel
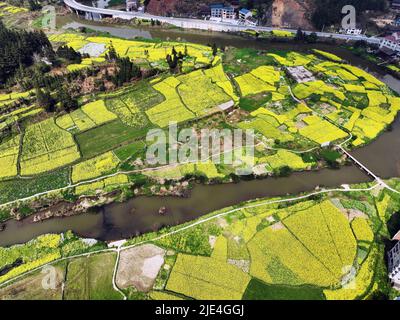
x=141, y=214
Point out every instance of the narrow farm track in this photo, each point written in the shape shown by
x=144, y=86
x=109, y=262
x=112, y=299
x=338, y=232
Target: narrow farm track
x=114, y=278
x=184, y=228
x=73, y=185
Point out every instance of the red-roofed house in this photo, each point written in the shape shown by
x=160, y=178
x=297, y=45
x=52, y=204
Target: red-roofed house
x=391, y=42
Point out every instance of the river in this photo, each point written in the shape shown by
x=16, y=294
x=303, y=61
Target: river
x=141, y=214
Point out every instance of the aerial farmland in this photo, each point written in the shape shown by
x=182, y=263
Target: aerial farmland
x=101, y=178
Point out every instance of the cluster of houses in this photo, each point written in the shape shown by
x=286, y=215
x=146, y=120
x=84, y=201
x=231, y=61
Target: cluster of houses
x=224, y=13
x=390, y=44
x=217, y=12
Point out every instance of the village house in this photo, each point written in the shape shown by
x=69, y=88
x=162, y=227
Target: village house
x=245, y=14
x=300, y=74
x=246, y=17
x=391, y=44
x=394, y=263
x=221, y=12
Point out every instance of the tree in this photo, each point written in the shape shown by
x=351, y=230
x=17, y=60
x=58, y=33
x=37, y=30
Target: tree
x=69, y=54
x=112, y=54
x=361, y=44
x=300, y=35
x=175, y=60
x=214, y=49
x=67, y=103
x=312, y=38
x=44, y=99
x=34, y=5
x=18, y=48
x=174, y=51
x=127, y=70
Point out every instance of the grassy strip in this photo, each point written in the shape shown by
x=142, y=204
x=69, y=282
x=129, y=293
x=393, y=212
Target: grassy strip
x=106, y=137
x=21, y=188
x=258, y=290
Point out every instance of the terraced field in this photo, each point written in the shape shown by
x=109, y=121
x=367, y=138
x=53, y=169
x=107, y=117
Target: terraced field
x=302, y=250
x=46, y=147
x=7, y=9
x=342, y=102
x=151, y=52
x=284, y=247
x=305, y=248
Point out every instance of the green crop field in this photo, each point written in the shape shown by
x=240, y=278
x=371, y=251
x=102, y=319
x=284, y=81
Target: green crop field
x=106, y=137
x=21, y=188
x=47, y=147
x=91, y=278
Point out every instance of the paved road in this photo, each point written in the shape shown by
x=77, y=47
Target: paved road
x=202, y=24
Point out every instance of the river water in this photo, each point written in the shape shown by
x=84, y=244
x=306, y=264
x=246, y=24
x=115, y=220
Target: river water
x=141, y=214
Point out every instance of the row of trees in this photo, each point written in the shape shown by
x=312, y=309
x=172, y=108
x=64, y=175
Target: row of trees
x=302, y=36
x=175, y=59
x=69, y=54
x=61, y=98
x=126, y=69
x=39, y=72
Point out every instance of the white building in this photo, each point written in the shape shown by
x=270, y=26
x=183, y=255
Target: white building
x=246, y=18
x=245, y=14
x=394, y=265
x=221, y=12
x=391, y=42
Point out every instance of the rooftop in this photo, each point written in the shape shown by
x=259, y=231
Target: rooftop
x=394, y=37
x=220, y=6
x=216, y=5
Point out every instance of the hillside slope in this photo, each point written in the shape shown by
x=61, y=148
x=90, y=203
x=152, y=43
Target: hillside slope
x=292, y=13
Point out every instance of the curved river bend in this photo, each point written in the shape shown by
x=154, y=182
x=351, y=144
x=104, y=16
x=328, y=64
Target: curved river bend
x=141, y=214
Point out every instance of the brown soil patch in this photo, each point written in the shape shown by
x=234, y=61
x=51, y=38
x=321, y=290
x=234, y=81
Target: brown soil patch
x=162, y=7
x=278, y=226
x=139, y=267
x=291, y=13
x=353, y=213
